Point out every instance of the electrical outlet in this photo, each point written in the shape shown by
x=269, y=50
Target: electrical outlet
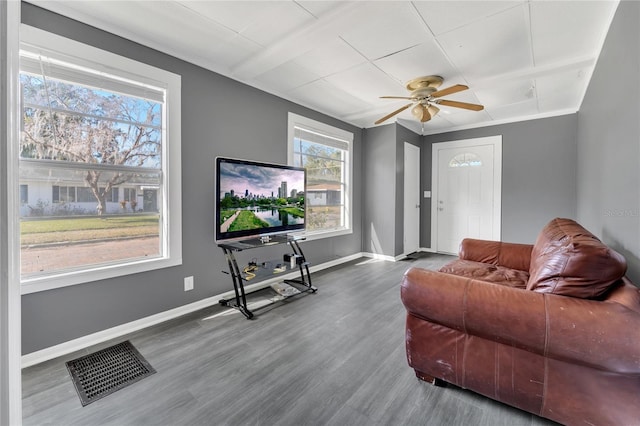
x=188, y=283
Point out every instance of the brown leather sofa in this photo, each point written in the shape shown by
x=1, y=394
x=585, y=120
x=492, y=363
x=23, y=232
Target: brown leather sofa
x=551, y=328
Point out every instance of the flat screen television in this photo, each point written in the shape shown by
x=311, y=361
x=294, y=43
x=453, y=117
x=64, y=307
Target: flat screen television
x=258, y=199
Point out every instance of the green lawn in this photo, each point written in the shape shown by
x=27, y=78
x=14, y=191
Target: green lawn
x=87, y=228
x=247, y=220
x=294, y=211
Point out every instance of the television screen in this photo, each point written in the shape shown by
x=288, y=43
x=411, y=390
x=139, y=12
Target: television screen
x=255, y=198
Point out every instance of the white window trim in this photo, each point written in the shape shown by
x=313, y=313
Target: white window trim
x=171, y=158
x=307, y=123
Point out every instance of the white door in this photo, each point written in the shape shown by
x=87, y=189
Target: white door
x=467, y=191
x=411, y=198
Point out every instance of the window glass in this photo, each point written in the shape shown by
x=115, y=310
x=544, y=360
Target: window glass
x=24, y=194
x=92, y=137
x=326, y=158
x=466, y=159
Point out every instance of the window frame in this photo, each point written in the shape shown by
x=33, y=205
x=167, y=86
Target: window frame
x=32, y=38
x=295, y=120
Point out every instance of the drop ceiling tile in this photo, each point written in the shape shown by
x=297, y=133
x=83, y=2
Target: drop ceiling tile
x=327, y=98
x=384, y=28
x=319, y=8
x=568, y=29
x=491, y=46
x=254, y=19
x=562, y=83
x=366, y=82
x=189, y=39
x=525, y=108
x=506, y=93
x=331, y=57
x=230, y=47
x=278, y=22
x=467, y=118
x=231, y=52
x=287, y=76
x=235, y=15
x=562, y=91
x=443, y=16
x=424, y=59
x=559, y=104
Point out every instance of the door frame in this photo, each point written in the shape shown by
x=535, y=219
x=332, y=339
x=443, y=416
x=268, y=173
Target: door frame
x=406, y=194
x=496, y=141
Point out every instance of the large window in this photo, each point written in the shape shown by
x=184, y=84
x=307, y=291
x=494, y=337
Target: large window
x=325, y=152
x=97, y=129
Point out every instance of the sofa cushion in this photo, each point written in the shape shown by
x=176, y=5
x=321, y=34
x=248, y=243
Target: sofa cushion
x=487, y=272
x=569, y=260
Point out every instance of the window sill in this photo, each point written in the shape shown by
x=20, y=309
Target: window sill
x=318, y=235
x=50, y=282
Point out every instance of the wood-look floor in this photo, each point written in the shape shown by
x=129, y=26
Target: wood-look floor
x=336, y=357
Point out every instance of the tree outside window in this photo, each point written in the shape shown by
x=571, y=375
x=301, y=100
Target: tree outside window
x=95, y=131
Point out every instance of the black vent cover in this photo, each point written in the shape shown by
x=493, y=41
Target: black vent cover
x=103, y=372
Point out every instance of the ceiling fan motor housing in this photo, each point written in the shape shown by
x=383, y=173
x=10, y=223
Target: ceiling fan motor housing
x=422, y=93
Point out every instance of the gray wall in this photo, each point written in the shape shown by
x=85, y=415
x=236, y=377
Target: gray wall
x=215, y=122
x=609, y=141
x=379, y=216
x=383, y=201
x=539, y=160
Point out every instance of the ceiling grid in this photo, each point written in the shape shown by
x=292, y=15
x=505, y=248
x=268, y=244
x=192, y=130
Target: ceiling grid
x=521, y=59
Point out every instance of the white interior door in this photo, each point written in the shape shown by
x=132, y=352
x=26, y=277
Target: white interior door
x=467, y=191
x=411, y=198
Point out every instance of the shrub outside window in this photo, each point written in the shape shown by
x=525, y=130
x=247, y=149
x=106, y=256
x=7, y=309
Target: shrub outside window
x=99, y=131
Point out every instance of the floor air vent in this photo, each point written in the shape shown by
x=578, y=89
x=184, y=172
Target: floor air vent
x=102, y=373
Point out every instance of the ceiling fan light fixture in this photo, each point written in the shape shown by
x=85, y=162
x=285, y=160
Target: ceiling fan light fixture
x=433, y=110
x=417, y=111
x=425, y=114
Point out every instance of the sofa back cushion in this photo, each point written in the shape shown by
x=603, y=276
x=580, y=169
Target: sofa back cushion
x=569, y=260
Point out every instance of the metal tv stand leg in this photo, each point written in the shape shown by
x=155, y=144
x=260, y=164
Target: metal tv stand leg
x=238, y=285
x=305, y=279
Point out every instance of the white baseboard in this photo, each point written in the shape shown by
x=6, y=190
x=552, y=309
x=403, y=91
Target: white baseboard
x=80, y=343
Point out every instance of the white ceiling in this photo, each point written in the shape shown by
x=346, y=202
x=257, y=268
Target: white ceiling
x=521, y=59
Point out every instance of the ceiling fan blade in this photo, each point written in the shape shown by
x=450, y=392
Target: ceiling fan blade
x=395, y=97
x=449, y=90
x=456, y=104
x=388, y=116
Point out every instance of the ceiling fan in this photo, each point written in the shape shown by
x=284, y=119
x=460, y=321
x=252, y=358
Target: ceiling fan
x=425, y=95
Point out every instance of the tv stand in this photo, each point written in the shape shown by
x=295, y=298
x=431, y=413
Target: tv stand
x=239, y=301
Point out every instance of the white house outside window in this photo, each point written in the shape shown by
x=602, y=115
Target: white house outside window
x=325, y=152
x=96, y=129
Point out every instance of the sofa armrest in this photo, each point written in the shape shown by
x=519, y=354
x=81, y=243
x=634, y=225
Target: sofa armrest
x=509, y=255
x=597, y=334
